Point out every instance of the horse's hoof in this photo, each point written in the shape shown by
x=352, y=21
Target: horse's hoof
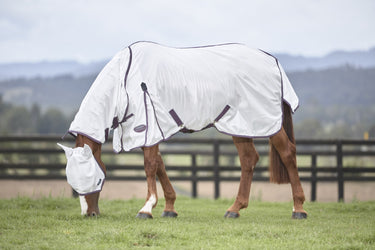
x=92, y=215
x=229, y=214
x=169, y=214
x=144, y=216
x=299, y=215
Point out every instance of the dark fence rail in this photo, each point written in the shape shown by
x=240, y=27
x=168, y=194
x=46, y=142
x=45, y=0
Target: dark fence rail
x=194, y=160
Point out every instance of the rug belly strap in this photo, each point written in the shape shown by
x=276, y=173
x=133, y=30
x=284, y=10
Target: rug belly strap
x=225, y=110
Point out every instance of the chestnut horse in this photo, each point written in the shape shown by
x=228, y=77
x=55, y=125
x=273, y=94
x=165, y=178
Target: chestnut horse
x=148, y=92
x=283, y=169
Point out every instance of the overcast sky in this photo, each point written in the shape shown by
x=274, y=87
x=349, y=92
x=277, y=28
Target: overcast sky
x=86, y=30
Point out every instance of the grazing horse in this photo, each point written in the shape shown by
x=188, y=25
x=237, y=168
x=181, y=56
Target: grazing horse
x=149, y=92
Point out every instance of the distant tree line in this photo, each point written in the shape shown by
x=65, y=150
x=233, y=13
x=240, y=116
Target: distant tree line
x=21, y=120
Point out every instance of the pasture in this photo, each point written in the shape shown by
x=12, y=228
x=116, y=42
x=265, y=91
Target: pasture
x=56, y=223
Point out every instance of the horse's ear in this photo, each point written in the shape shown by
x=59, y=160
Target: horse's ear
x=68, y=151
x=87, y=152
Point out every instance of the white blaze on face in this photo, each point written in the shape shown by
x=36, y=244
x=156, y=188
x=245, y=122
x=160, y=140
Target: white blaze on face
x=84, y=206
x=147, y=208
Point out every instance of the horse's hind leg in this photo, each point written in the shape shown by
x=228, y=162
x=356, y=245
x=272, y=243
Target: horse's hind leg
x=151, y=165
x=169, y=193
x=287, y=152
x=248, y=158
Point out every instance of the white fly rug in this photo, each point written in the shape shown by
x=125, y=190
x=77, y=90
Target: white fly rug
x=149, y=92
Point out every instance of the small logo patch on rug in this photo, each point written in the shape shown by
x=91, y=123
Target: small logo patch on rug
x=140, y=128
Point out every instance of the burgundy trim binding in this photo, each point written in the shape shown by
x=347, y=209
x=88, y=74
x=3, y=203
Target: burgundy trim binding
x=67, y=132
x=191, y=47
x=125, y=80
x=225, y=110
x=208, y=126
x=106, y=134
x=156, y=118
x=126, y=116
x=282, y=92
x=265, y=52
x=129, y=64
x=81, y=133
x=144, y=88
x=179, y=122
x=72, y=134
x=282, y=86
x=145, y=102
x=175, y=117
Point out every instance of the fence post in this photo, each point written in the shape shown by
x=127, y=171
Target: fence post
x=313, y=177
x=194, y=175
x=340, y=174
x=216, y=169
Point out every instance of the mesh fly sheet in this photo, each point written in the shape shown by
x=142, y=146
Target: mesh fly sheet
x=149, y=92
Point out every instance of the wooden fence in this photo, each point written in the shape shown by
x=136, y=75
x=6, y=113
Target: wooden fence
x=194, y=160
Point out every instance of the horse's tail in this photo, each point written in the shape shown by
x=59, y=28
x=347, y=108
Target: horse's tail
x=278, y=171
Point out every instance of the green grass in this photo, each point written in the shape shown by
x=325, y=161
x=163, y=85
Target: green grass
x=52, y=223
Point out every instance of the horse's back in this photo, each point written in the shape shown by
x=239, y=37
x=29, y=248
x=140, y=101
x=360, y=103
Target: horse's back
x=201, y=83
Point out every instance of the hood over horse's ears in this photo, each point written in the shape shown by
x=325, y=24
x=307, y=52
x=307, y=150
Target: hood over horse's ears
x=68, y=150
x=87, y=152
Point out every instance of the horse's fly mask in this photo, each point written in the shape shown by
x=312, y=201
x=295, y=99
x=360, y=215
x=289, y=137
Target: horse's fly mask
x=83, y=172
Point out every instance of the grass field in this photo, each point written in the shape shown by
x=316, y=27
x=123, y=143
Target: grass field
x=57, y=224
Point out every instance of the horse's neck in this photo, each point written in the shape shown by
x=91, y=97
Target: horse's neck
x=81, y=140
x=97, y=111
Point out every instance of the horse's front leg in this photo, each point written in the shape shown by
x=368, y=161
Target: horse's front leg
x=248, y=158
x=90, y=203
x=151, y=166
